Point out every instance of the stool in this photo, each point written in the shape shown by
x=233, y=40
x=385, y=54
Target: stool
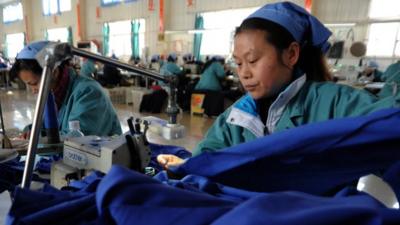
x=196, y=103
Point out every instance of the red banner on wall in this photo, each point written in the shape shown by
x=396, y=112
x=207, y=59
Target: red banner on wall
x=78, y=21
x=27, y=39
x=161, y=16
x=98, y=12
x=151, y=5
x=308, y=5
x=190, y=3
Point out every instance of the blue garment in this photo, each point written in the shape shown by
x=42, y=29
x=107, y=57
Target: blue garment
x=86, y=102
x=333, y=153
x=314, y=158
x=209, y=79
x=304, y=27
x=123, y=196
x=52, y=206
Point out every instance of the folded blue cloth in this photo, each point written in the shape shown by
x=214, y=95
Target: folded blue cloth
x=253, y=183
x=317, y=158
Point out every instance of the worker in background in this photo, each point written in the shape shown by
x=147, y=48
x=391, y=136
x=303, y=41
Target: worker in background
x=77, y=97
x=371, y=72
x=155, y=62
x=170, y=68
x=387, y=74
x=187, y=58
x=88, y=68
x=390, y=71
x=279, y=51
x=211, y=74
x=391, y=87
x=111, y=76
x=3, y=61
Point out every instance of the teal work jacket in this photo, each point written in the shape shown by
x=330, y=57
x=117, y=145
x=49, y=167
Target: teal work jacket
x=170, y=69
x=389, y=72
x=209, y=80
x=88, y=68
x=391, y=87
x=302, y=102
x=86, y=102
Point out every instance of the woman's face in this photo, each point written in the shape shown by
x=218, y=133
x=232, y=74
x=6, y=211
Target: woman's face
x=260, y=70
x=30, y=79
x=33, y=80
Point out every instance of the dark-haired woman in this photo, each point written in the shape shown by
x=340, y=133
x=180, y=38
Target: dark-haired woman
x=279, y=51
x=77, y=97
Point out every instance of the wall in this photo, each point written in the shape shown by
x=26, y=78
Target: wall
x=183, y=18
x=179, y=18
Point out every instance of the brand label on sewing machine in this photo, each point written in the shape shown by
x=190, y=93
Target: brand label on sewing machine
x=75, y=157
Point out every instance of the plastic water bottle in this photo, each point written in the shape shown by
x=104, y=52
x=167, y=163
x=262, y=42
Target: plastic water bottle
x=74, y=129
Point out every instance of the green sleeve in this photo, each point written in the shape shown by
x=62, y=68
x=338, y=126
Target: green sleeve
x=391, y=86
x=321, y=101
x=176, y=70
x=219, y=70
x=356, y=102
x=217, y=137
x=94, y=112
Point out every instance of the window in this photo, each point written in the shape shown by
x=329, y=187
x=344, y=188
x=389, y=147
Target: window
x=120, y=42
x=58, y=34
x=384, y=45
x=12, y=13
x=51, y=7
x=110, y=2
x=15, y=43
x=384, y=9
x=219, y=28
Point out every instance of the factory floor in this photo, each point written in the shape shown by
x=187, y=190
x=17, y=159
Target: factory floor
x=18, y=110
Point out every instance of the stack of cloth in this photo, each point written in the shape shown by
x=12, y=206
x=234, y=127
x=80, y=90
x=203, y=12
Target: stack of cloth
x=306, y=175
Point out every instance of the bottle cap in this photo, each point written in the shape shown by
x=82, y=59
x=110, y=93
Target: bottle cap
x=74, y=125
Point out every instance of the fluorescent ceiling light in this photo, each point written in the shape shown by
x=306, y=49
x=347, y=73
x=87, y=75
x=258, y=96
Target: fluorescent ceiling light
x=340, y=24
x=195, y=31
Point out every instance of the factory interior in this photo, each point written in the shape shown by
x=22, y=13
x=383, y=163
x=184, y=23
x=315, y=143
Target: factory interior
x=200, y=112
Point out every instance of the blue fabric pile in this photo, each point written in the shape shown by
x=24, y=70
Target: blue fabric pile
x=301, y=176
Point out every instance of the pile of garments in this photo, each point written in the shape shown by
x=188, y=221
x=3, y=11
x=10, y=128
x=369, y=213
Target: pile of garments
x=306, y=175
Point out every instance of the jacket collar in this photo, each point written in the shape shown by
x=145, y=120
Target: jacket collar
x=244, y=112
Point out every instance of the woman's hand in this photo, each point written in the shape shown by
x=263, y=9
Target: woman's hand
x=169, y=160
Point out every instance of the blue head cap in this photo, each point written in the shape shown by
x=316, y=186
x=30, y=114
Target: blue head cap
x=373, y=64
x=217, y=58
x=305, y=28
x=187, y=56
x=30, y=51
x=172, y=57
x=155, y=57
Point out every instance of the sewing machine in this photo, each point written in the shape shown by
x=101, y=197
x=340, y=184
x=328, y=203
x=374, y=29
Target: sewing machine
x=84, y=154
